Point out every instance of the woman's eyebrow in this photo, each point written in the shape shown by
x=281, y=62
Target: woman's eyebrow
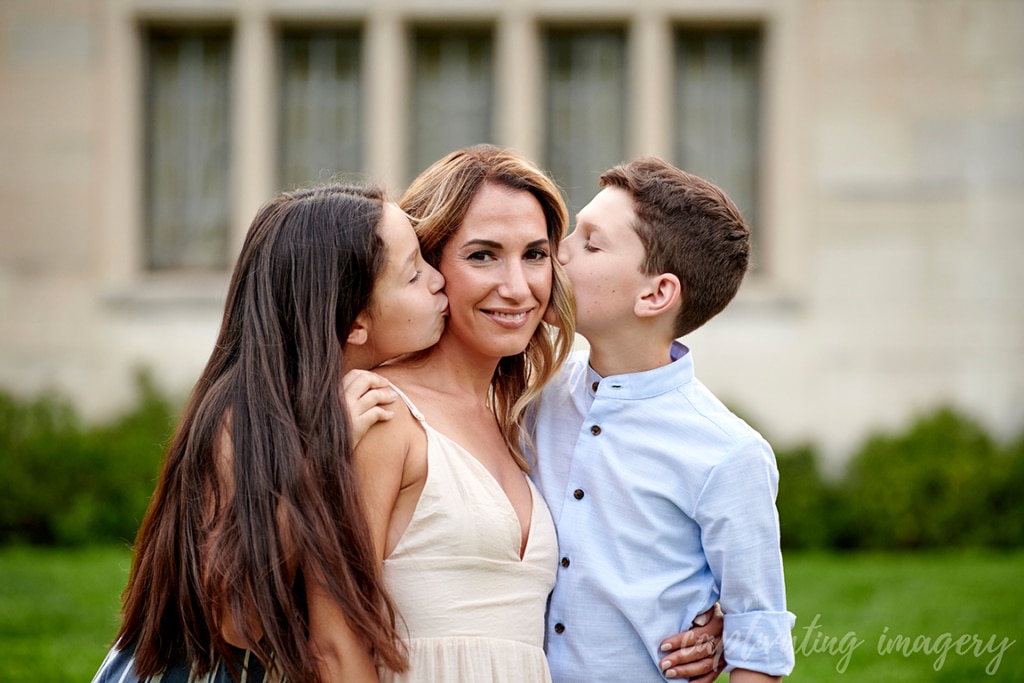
x=491, y=244
x=482, y=243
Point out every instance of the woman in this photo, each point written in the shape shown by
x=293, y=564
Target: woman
x=255, y=552
x=467, y=545
x=465, y=540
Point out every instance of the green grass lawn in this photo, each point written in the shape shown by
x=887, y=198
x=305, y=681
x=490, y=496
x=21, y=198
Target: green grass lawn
x=925, y=617
x=879, y=618
x=58, y=611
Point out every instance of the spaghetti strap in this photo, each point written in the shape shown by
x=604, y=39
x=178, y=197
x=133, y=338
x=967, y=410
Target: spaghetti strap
x=412, y=408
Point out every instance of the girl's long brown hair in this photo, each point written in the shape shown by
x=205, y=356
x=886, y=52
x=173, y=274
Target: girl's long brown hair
x=286, y=505
x=437, y=202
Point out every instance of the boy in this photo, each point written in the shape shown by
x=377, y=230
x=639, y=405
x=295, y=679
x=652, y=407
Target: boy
x=664, y=501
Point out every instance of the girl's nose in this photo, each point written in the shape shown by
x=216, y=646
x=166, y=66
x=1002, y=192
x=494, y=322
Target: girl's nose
x=436, y=280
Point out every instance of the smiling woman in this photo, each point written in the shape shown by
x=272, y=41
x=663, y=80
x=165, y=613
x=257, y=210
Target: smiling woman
x=499, y=270
x=466, y=542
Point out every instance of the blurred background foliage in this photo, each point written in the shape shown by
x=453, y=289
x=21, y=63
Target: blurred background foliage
x=941, y=483
x=69, y=483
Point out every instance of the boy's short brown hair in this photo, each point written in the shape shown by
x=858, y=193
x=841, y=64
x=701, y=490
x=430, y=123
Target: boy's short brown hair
x=690, y=228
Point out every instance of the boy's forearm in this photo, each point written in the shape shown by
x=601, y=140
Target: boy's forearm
x=748, y=676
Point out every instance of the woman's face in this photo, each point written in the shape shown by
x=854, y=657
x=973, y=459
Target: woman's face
x=408, y=309
x=497, y=267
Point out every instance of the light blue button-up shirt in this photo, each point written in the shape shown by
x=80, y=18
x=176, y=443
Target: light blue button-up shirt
x=664, y=503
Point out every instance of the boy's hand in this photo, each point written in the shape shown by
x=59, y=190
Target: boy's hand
x=366, y=395
x=696, y=654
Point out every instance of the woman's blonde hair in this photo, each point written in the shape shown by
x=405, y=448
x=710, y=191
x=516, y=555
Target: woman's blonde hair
x=437, y=202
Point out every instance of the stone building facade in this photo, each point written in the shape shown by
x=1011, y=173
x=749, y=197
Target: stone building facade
x=877, y=147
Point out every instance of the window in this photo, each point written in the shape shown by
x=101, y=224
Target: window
x=187, y=154
x=321, y=106
x=585, y=109
x=717, y=112
x=453, y=93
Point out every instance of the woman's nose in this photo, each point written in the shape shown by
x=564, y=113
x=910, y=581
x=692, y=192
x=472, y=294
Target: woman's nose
x=514, y=284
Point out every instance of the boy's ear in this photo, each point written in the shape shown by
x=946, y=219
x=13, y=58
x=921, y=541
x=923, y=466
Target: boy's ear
x=359, y=332
x=660, y=297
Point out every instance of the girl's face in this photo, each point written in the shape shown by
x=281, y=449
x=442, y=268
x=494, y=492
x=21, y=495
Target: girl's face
x=497, y=267
x=408, y=307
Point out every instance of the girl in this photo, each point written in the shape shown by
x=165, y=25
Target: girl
x=255, y=558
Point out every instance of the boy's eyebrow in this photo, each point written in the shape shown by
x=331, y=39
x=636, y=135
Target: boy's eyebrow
x=585, y=223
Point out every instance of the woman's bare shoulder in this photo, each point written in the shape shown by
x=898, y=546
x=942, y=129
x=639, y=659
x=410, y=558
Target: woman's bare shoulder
x=390, y=439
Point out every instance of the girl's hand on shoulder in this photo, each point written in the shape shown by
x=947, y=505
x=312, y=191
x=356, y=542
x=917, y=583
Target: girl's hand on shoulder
x=367, y=396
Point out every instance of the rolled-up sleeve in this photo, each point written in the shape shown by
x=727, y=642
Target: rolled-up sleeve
x=740, y=534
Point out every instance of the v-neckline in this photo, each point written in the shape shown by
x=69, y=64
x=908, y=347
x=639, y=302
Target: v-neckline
x=524, y=545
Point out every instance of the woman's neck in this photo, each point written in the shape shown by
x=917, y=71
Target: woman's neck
x=451, y=368
x=459, y=370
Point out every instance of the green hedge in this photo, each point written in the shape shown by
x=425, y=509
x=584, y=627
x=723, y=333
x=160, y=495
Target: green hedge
x=942, y=483
x=68, y=483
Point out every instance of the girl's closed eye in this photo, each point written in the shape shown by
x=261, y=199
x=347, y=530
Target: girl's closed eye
x=416, y=276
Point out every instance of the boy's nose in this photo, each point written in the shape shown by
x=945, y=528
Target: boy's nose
x=563, y=252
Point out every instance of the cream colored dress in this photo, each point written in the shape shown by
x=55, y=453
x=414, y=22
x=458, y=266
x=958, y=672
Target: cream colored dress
x=470, y=609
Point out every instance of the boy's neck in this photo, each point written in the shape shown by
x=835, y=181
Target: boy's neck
x=627, y=353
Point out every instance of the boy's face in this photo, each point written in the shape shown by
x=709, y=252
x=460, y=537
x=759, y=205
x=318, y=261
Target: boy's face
x=602, y=258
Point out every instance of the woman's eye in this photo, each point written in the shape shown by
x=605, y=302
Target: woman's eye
x=536, y=255
x=480, y=256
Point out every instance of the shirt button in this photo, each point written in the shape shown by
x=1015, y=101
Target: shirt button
x=559, y=628
x=594, y=386
x=595, y=430
x=565, y=561
x=578, y=494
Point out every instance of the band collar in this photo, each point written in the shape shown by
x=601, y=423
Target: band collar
x=645, y=384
